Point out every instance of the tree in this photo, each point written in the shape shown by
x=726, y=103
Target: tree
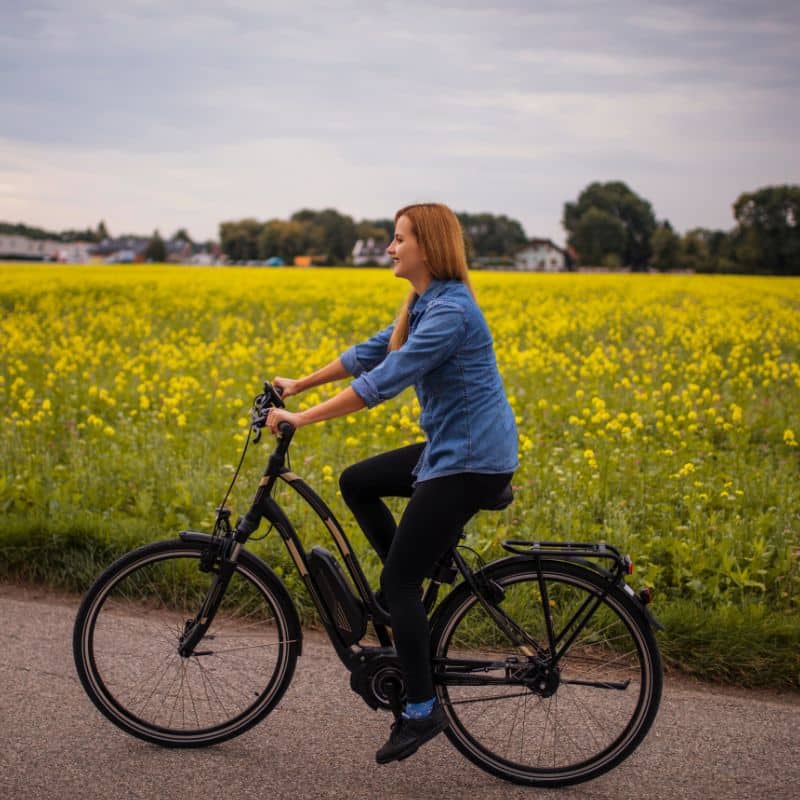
x=284, y=239
x=156, y=250
x=370, y=230
x=666, y=247
x=599, y=238
x=491, y=235
x=240, y=239
x=694, y=251
x=102, y=231
x=330, y=233
x=617, y=201
x=768, y=234
x=182, y=235
x=704, y=250
x=372, y=226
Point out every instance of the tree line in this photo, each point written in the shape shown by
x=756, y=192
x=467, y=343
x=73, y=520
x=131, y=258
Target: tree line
x=609, y=225
x=329, y=236
x=92, y=235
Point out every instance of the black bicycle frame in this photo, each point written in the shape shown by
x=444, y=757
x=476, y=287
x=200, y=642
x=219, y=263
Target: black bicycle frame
x=456, y=671
x=264, y=506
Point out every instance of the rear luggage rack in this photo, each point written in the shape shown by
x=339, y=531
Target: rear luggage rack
x=571, y=551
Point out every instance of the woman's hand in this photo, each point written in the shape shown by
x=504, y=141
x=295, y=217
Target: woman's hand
x=346, y=402
x=287, y=386
x=278, y=415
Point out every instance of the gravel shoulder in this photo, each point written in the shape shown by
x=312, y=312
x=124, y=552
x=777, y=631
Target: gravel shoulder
x=707, y=742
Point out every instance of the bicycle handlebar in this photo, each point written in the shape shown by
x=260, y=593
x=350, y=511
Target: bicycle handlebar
x=269, y=398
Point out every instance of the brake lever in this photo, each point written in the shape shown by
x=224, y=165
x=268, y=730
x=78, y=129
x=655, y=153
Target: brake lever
x=258, y=416
x=271, y=397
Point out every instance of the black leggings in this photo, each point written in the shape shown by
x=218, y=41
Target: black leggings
x=431, y=524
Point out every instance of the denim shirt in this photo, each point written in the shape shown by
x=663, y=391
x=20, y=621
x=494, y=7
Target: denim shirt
x=449, y=358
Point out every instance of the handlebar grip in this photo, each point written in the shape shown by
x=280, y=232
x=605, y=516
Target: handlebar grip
x=285, y=432
x=286, y=428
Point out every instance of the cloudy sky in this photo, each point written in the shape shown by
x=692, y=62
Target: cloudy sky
x=185, y=113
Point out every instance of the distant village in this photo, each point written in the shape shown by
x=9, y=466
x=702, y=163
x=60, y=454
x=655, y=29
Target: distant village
x=121, y=250
x=537, y=255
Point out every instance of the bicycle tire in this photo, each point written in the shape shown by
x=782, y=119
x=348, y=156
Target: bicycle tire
x=125, y=646
x=584, y=723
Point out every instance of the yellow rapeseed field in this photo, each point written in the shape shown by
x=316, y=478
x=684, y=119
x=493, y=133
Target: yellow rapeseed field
x=659, y=413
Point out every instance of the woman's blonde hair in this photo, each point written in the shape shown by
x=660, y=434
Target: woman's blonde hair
x=438, y=232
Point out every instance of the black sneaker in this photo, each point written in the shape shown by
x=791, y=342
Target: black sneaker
x=408, y=735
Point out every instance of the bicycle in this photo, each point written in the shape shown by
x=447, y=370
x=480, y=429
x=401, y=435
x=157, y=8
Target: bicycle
x=545, y=661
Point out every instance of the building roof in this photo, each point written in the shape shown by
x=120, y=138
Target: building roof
x=537, y=242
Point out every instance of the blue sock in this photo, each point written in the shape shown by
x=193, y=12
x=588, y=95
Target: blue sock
x=419, y=710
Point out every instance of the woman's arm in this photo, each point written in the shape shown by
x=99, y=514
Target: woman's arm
x=352, y=362
x=346, y=402
x=334, y=371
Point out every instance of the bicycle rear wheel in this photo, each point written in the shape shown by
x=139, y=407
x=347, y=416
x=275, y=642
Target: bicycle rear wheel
x=516, y=716
x=126, y=636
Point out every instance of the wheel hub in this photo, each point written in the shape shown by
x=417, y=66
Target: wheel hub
x=540, y=678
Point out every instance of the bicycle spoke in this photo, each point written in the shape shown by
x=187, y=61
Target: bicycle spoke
x=141, y=686
x=253, y=647
x=157, y=684
x=488, y=698
x=194, y=705
x=513, y=724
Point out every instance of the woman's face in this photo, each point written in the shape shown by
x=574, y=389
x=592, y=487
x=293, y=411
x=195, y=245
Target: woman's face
x=407, y=257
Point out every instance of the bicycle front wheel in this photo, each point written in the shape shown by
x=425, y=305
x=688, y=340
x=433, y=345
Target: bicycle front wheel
x=126, y=638
x=520, y=714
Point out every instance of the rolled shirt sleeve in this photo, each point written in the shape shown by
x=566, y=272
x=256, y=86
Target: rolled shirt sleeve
x=437, y=336
x=369, y=354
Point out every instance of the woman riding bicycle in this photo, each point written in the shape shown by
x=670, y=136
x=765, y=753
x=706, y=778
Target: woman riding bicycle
x=441, y=345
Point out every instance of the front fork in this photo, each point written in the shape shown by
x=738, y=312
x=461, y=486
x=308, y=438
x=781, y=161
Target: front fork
x=227, y=558
x=230, y=544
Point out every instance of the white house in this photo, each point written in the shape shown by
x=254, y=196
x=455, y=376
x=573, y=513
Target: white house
x=17, y=246
x=369, y=252
x=22, y=247
x=541, y=255
x=74, y=252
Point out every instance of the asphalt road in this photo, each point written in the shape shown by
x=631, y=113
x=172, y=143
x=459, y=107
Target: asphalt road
x=707, y=742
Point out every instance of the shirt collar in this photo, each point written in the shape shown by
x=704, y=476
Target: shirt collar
x=434, y=289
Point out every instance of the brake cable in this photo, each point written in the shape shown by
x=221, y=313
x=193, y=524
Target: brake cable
x=221, y=507
x=223, y=514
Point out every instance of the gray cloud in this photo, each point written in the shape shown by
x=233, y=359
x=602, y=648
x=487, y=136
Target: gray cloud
x=365, y=105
